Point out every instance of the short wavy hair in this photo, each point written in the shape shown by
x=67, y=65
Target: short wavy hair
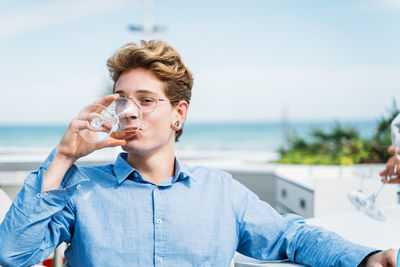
x=163, y=61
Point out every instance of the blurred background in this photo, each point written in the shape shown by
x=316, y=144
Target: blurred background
x=260, y=67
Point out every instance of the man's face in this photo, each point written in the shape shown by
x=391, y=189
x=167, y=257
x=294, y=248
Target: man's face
x=155, y=131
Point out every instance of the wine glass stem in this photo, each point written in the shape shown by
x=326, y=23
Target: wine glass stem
x=375, y=195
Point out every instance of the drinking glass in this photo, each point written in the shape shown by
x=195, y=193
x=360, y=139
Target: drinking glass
x=367, y=204
x=120, y=120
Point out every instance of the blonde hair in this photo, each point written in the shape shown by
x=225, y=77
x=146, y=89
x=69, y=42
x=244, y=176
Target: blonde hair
x=163, y=61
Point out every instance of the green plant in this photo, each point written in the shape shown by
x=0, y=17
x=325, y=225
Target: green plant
x=381, y=140
x=341, y=145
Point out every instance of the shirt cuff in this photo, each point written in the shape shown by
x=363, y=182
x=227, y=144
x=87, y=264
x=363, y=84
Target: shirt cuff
x=356, y=254
x=73, y=176
x=363, y=263
x=34, y=201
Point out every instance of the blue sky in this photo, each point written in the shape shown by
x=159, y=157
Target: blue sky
x=252, y=60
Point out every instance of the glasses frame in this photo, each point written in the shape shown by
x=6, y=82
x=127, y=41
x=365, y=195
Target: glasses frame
x=157, y=100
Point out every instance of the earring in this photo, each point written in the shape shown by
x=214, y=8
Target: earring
x=176, y=125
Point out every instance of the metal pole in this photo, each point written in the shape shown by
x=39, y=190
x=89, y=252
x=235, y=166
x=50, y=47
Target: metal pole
x=148, y=19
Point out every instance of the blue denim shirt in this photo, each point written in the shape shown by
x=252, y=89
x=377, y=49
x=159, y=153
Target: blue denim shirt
x=110, y=216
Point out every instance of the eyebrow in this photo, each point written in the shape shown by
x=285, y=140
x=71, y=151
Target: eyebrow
x=144, y=91
x=119, y=92
x=140, y=91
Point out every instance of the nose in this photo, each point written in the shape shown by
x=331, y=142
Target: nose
x=133, y=117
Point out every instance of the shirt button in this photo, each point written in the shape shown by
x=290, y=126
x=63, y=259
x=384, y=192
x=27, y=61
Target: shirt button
x=38, y=195
x=78, y=186
x=159, y=221
x=159, y=260
x=135, y=174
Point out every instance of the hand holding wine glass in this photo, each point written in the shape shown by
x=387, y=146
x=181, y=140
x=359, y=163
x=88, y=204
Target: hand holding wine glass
x=367, y=204
x=73, y=145
x=392, y=168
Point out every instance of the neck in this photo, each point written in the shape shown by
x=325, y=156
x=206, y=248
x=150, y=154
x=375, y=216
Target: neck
x=154, y=166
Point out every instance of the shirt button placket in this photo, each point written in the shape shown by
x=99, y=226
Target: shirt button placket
x=158, y=226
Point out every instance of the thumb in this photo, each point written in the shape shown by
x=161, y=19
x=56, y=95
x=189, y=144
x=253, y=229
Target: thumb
x=110, y=142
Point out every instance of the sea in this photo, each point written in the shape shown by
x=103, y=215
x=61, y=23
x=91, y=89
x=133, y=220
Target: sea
x=268, y=136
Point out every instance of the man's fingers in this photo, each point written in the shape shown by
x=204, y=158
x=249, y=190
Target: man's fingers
x=390, y=166
x=398, y=168
x=391, y=149
x=390, y=163
x=393, y=180
x=107, y=100
x=386, y=258
x=391, y=256
x=383, y=174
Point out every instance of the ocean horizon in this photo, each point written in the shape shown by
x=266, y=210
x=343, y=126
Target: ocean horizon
x=196, y=136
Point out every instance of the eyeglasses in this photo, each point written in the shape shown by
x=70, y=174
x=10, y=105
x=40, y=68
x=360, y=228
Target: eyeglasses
x=147, y=101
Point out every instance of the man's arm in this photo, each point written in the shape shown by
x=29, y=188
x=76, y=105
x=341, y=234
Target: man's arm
x=265, y=234
x=38, y=221
x=41, y=214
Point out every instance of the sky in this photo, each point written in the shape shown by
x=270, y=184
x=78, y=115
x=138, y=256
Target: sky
x=254, y=60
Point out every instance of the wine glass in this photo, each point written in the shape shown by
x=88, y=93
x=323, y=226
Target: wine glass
x=367, y=204
x=120, y=120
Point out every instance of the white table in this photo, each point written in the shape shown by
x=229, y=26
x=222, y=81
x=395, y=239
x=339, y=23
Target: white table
x=361, y=229
x=354, y=226
x=243, y=261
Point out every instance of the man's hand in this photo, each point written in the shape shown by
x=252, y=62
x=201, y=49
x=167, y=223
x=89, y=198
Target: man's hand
x=72, y=147
x=386, y=258
x=390, y=170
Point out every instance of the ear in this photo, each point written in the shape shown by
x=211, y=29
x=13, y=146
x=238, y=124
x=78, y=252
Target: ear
x=180, y=115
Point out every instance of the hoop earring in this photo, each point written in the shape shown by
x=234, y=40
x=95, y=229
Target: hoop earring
x=176, y=125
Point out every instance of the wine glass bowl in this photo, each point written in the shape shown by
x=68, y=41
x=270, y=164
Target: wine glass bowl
x=120, y=120
x=129, y=118
x=95, y=123
x=358, y=199
x=366, y=204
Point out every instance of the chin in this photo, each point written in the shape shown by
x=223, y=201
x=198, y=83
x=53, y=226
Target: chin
x=140, y=144
x=133, y=143
x=133, y=146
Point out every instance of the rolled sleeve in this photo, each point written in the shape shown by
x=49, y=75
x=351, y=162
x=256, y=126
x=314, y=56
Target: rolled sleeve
x=38, y=221
x=264, y=234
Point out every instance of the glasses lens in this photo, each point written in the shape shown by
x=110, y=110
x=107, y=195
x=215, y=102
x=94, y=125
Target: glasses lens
x=146, y=101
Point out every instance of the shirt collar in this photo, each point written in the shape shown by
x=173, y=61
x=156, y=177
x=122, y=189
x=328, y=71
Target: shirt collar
x=123, y=169
x=182, y=171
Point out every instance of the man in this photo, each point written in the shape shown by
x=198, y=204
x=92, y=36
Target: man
x=150, y=209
